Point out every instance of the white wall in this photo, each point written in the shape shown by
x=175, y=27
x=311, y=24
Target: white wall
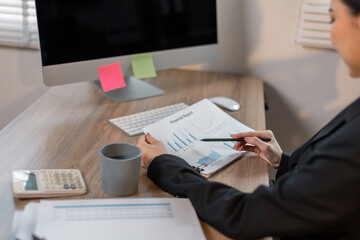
x=305, y=87
x=20, y=81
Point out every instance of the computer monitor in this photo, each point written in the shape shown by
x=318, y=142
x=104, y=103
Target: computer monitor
x=78, y=36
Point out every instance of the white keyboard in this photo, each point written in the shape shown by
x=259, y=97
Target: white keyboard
x=133, y=124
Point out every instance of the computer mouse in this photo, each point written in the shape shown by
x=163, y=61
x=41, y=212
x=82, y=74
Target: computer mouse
x=226, y=103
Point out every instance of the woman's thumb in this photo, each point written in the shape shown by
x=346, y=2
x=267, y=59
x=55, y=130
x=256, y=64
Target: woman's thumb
x=149, y=138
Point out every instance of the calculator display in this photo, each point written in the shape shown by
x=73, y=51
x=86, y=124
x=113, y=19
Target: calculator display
x=31, y=184
x=28, y=179
x=47, y=183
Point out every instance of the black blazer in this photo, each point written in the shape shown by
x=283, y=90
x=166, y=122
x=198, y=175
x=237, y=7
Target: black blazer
x=316, y=195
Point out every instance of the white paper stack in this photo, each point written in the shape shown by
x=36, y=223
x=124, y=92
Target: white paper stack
x=131, y=218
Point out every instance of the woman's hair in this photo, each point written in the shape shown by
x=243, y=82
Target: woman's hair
x=354, y=6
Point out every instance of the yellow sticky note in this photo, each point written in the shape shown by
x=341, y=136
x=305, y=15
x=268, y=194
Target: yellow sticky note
x=143, y=65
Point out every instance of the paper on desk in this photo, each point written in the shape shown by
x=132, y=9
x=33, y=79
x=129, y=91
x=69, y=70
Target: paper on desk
x=131, y=218
x=24, y=222
x=180, y=133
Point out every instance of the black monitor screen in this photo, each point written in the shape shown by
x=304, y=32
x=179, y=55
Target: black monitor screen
x=78, y=30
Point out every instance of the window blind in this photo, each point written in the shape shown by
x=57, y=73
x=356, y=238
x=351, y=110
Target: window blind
x=18, y=24
x=314, y=26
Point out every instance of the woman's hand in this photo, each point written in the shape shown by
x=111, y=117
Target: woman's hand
x=150, y=148
x=269, y=151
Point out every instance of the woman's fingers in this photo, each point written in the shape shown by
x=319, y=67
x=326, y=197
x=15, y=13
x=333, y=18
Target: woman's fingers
x=251, y=140
x=268, y=151
x=149, y=139
x=238, y=145
x=141, y=140
x=258, y=152
x=257, y=142
x=252, y=134
x=251, y=149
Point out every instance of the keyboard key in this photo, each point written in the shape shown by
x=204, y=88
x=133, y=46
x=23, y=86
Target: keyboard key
x=133, y=124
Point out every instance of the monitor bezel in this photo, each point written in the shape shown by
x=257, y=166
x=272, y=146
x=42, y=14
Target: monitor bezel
x=73, y=72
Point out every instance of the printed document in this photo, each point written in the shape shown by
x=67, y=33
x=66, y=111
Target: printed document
x=181, y=132
x=130, y=218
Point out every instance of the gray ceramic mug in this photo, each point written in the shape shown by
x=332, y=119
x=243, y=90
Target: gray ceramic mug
x=120, y=168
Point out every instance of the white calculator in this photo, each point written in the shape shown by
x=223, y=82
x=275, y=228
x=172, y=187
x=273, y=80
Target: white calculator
x=47, y=183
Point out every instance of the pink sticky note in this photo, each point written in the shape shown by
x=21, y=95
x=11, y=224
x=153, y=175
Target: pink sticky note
x=111, y=77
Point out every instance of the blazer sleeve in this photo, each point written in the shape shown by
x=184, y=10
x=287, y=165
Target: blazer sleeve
x=299, y=204
x=285, y=164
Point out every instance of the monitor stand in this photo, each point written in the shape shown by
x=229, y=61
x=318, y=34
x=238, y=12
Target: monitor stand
x=135, y=89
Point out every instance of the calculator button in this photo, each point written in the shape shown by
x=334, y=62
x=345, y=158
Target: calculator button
x=73, y=186
x=66, y=186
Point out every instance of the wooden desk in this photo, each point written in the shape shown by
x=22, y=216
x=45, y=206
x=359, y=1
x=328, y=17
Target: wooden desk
x=66, y=127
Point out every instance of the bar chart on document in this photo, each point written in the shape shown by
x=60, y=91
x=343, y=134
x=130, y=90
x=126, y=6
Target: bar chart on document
x=98, y=212
x=180, y=133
